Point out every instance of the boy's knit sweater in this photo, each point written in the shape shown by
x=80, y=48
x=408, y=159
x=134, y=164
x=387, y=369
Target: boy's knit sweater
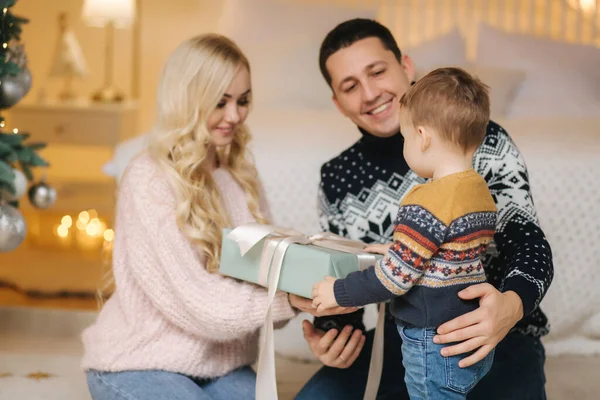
x=167, y=312
x=441, y=232
x=362, y=187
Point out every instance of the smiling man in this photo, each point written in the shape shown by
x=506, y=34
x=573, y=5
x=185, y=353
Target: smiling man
x=359, y=197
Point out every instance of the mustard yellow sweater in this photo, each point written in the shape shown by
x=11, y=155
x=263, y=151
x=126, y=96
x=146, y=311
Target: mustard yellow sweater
x=442, y=230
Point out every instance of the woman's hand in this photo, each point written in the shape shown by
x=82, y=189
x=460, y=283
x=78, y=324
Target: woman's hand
x=304, y=304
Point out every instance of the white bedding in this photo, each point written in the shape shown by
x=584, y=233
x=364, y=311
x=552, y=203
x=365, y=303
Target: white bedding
x=563, y=158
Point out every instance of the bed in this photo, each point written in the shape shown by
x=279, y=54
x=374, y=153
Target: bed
x=539, y=57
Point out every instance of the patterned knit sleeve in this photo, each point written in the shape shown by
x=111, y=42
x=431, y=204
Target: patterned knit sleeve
x=524, y=255
x=418, y=234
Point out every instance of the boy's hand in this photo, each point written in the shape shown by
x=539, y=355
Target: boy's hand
x=323, y=296
x=378, y=248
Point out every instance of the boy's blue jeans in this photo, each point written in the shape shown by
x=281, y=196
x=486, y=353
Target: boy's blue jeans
x=517, y=373
x=429, y=375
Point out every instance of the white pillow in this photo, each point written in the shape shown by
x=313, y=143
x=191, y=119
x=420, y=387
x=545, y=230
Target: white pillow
x=504, y=84
x=562, y=79
x=450, y=50
x=287, y=76
x=289, y=147
x=282, y=40
x=124, y=152
x=446, y=50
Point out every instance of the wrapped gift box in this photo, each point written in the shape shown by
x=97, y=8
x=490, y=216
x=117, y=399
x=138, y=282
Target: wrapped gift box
x=303, y=264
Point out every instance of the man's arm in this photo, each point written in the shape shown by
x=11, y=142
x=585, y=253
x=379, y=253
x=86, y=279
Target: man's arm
x=525, y=268
x=521, y=244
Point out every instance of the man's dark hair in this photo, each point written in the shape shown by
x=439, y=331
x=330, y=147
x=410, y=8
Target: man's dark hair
x=349, y=32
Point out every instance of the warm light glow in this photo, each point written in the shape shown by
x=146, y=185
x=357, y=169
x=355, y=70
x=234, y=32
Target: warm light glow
x=62, y=231
x=67, y=221
x=95, y=227
x=4, y=45
x=80, y=225
x=2, y=124
x=587, y=6
x=91, y=229
x=84, y=217
x=109, y=235
x=93, y=213
x=15, y=131
x=98, y=13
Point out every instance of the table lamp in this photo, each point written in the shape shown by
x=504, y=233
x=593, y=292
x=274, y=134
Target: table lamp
x=109, y=14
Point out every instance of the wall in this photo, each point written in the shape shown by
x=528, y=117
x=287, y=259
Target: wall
x=162, y=26
x=165, y=24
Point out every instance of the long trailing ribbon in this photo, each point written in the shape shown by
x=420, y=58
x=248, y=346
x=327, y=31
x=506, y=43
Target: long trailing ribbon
x=277, y=241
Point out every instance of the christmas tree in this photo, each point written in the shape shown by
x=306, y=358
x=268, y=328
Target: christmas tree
x=14, y=154
x=17, y=156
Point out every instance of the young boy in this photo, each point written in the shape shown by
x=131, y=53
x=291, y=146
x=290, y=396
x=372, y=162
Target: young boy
x=442, y=230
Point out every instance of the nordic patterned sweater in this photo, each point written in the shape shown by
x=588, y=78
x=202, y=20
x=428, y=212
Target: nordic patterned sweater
x=361, y=190
x=440, y=234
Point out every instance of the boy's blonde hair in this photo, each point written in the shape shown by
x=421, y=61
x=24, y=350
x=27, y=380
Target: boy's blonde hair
x=453, y=103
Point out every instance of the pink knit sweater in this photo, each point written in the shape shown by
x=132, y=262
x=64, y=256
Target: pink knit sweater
x=167, y=312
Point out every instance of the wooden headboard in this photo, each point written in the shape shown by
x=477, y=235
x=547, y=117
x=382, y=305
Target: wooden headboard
x=416, y=21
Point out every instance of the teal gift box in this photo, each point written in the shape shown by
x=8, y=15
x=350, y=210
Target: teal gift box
x=303, y=264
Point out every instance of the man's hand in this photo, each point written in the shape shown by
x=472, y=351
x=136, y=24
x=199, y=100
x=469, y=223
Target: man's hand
x=323, y=296
x=305, y=305
x=334, y=352
x=378, y=248
x=483, y=328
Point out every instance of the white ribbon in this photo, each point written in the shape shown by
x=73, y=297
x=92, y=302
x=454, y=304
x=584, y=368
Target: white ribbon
x=277, y=241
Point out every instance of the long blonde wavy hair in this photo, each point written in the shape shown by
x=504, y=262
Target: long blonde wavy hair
x=193, y=82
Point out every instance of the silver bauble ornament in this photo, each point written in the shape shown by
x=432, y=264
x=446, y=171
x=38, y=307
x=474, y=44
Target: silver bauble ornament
x=12, y=228
x=26, y=79
x=20, y=187
x=12, y=90
x=41, y=195
x=20, y=183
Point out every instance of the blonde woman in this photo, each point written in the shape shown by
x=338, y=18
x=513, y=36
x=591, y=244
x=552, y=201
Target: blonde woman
x=174, y=328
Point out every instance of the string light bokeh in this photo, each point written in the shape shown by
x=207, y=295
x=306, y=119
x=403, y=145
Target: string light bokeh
x=86, y=230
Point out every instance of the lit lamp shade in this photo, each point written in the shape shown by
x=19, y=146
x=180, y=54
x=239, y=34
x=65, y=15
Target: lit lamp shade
x=99, y=13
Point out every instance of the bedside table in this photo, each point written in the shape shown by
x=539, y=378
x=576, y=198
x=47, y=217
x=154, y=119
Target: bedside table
x=77, y=123
x=81, y=137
